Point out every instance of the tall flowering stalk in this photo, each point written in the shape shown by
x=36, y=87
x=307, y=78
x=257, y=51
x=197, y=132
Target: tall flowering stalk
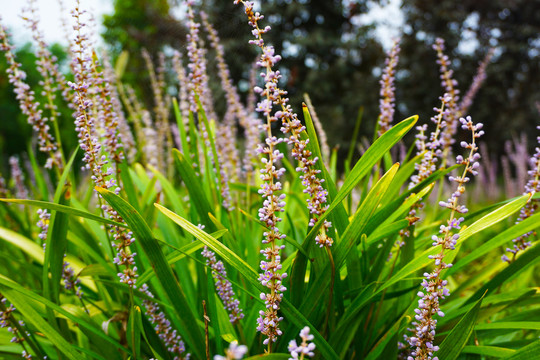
x=95, y=160
x=477, y=82
x=235, y=110
x=434, y=287
x=162, y=326
x=431, y=151
x=388, y=97
x=522, y=242
x=268, y=321
x=449, y=85
x=223, y=286
x=28, y=104
x=292, y=128
x=71, y=281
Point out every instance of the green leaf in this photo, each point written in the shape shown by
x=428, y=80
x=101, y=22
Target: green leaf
x=196, y=192
x=452, y=345
x=422, y=260
x=513, y=232
x=164, y=273
x=64, y=209
x=528, y=352
x=134, y=331
x=291, y=313
x=528, y=258
x=513, y=325
x=492, y=351
x=372, y=155
x=31, y=316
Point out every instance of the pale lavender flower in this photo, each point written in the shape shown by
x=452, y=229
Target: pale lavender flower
x=183, y=100
x=27, y=102
x=71, y=282
x=268, y=321
x=306, y=348
x=235, y=110
x=53, y=79
x=95, y=161
x=162, y=326
x=292, y=128
x=124, y=131
x=386, y=103
x=323, y=139
x=449, y=85
x=434, y=288
x=234, y=352
x=431, y=151
x=8, y=321
x=477, y=82
x=523, y=242
x=17, y=175
x=223, y=286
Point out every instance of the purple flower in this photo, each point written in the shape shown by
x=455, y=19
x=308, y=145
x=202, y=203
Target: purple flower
x=234, y=352
x=386, y=103
x=223, y=286
x=306, y=348
x=435, y=288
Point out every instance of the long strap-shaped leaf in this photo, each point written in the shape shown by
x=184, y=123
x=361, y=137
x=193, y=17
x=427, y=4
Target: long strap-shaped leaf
x=192, y=334
x=452, y=345
x=290, y=312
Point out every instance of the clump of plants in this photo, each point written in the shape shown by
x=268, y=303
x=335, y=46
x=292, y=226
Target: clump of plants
x=177, y=232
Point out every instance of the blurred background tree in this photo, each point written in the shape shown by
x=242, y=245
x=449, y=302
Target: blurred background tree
x=338, y=61
x=506, y=101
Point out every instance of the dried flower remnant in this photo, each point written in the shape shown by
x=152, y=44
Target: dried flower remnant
x=223, y=286
x=234, y=352
x=435, y=288
x=388, y=98
x=523, y=242
x=305, y=349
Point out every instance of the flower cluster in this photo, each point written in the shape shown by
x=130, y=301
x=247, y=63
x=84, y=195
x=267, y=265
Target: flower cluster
x=162, y=326
x=27, y=102
x=234, y=352
x=18, y=178
x=223, y=286
x=533, y=186
x=14, y=327
x=430, y=152
x=292, y=128
x=449, y=85
x=53, y=79
x=306, y=348
x=386, y=103
x=235, y=109
x=434, y=288
x=268, y=321
x=477, y=82
x=95, y=160
x=71, y=282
